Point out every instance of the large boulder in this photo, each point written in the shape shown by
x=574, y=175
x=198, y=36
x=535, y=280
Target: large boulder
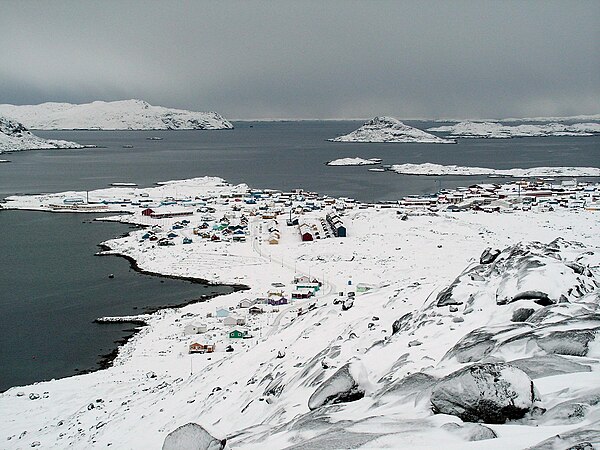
x=540, y=273
x=192, y=436
x=341, y=387
x=491, y=393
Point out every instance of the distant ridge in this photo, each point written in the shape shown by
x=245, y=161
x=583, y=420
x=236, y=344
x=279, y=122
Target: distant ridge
x=118, y=115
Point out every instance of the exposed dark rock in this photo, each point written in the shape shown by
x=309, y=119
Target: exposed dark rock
x=491, y=393
x=347, y=304
x=341, y=387
x=402, y=323
x=445, y=297
x=522, y=314
x=489, y=256
x=192, y=437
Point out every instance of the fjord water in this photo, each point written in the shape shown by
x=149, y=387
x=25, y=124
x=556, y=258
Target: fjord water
x=51, y=285
x=278, y=155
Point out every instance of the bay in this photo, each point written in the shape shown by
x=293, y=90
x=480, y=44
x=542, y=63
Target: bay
x=51, y=285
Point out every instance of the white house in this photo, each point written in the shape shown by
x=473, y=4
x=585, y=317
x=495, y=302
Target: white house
x=195, y=328
x=245, y=303
x=234, y=321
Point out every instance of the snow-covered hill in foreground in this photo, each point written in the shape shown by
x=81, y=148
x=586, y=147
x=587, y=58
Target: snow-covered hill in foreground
x=479, y=331
x=388, y=129
x=499, y=131
x=118, y=115
x=15, y=137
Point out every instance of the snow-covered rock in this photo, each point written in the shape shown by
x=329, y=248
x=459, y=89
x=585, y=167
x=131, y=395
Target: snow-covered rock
x=353, y=162
x=586, y=437
x=431, y=169
x=118, y=115
x=497, y=130
x=192, y=436
x=341, y=387
x=470, y=431
x=538, y=272
x=491, y=393
x=15, y=137
x=388, y=129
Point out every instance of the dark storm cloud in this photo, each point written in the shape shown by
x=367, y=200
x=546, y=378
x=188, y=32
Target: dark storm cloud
x=308, y=59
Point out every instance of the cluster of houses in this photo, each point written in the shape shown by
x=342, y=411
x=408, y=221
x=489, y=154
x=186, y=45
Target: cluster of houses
x=235, y=321
x=228, y=228
x=506, y=197
x=329, y=226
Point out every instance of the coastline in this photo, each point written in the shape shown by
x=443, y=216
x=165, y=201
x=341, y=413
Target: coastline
x=262, y=387
x=105, y=361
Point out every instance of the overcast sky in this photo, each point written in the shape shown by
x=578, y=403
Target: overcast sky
x=308, y=59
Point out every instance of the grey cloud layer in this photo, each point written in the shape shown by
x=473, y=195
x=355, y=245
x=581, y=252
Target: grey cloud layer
x=308, y=59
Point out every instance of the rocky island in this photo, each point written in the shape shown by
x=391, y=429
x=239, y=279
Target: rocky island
x=15, y=137
x=388, y=129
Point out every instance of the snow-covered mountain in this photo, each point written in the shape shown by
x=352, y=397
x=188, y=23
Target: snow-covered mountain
x=119, y=115
x=388, y=129
x=15, y=137
x=497, y=130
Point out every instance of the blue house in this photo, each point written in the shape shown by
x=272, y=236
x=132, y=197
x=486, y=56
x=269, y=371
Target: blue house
x=222, y=312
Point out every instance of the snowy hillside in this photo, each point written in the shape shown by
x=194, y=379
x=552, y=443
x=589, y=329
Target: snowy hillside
x=119, y=115
x=498, y=131
x=388, y=129
x=471, y=330
x=15, y=137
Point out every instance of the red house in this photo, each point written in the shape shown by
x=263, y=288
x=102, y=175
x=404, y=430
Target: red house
x=147, y=212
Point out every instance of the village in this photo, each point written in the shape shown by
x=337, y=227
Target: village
x=236, y=221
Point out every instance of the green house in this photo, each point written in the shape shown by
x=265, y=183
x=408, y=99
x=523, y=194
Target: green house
x=237, y=334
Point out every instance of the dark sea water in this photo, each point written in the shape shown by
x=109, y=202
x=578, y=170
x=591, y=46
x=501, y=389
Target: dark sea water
x=51, y=284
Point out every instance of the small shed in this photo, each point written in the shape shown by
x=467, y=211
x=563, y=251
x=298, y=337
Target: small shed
x=255, y=310
x=147, y=212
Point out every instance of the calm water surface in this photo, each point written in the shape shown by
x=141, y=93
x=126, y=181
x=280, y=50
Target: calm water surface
x=51, y=285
